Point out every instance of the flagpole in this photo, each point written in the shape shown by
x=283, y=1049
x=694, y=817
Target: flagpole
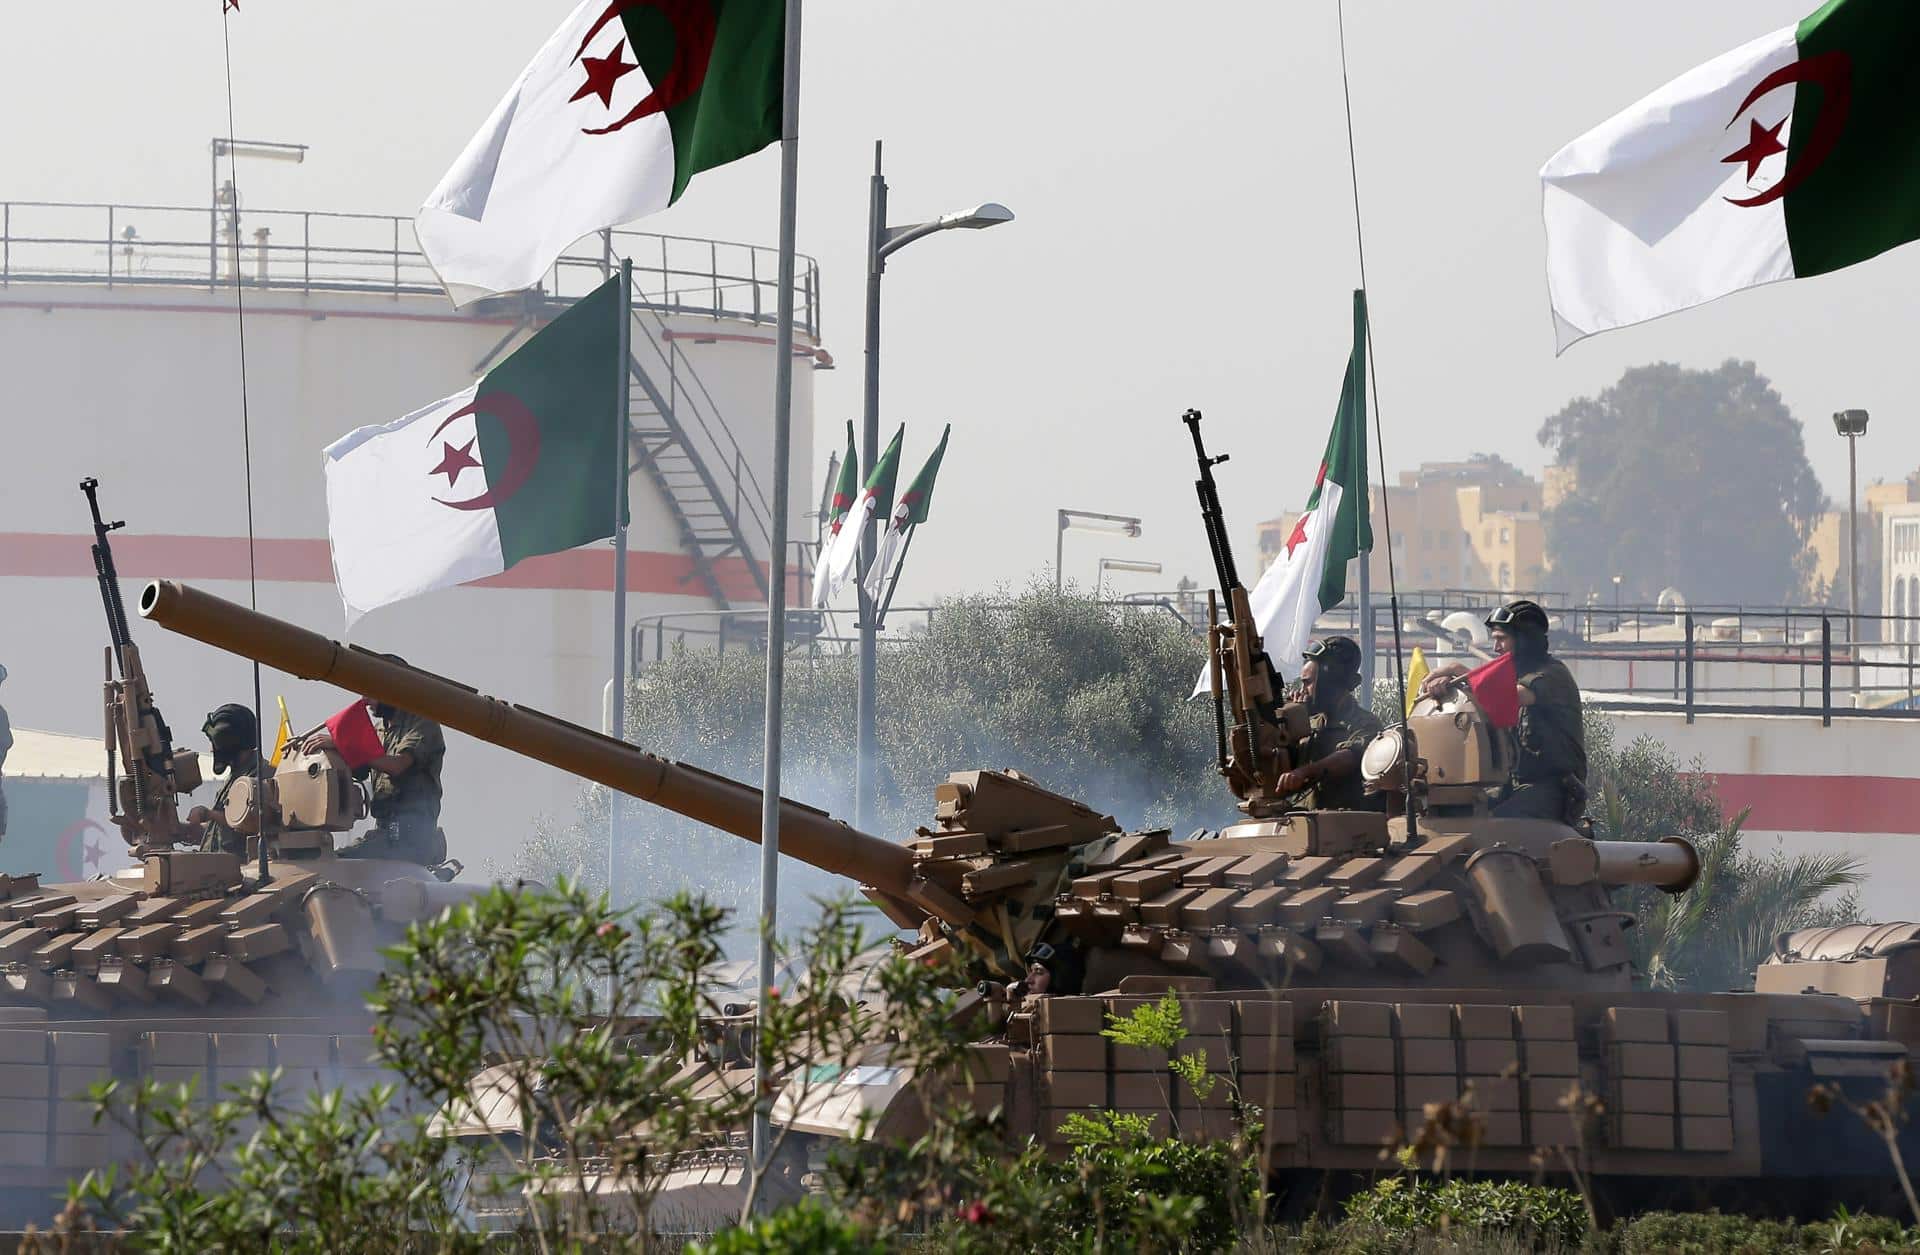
x=1357, y=368
x=898, y=567
x=617, y=721
x=777, y=583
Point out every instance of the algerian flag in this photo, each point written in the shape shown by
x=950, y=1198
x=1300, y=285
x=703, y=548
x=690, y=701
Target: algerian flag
x=1793, y=155
x=523, y=462
x=909, y=512
x=877, y=498
x=843, y=489
x=615, y=114
x=1310, y=577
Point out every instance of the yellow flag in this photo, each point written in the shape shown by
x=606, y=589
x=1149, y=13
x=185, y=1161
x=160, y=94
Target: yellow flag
x=285, y=733
x=1416, y=672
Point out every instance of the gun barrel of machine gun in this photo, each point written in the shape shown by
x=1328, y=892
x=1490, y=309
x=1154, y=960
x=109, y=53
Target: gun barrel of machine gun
x=107, y=574
x=1211, y=513
x=807, y=834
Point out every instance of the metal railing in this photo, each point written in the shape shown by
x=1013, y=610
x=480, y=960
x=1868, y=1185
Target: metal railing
x=307, y=252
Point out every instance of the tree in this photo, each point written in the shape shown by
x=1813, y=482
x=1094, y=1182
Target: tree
x=1088, y=699
x=1696, y=479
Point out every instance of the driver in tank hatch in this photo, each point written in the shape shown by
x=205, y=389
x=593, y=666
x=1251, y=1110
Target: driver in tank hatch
x=1550, y=760
x=234, y=736
x=1330, y=774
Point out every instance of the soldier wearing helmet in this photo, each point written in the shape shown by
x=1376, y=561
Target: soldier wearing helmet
x=234, y=736
x=1549, y=778
x=1330, y=771
x=6, y=743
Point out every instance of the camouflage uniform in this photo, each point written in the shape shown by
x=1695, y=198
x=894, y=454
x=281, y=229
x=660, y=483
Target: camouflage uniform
x=1550, y=766
x=6, y=743
x=217, y=835
x=1348, y=726
x=406, y=807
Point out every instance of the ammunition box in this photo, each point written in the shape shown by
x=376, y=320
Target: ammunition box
x=1493, y=1093
x=1636, y=1024
x=1164, y=911
x=1704, y=1098
x=1208, y=910
x=1076, y=1089
x=1207, y=1019
x=23, y=1115
x=1545, y=1023
x=1430, y=908
x=1137, y=1090
x=986, y=1099
x=1499, y=1128
x=1208, y=873
x=72, y=1050
x=1074, y=1052
x=1544, y=1093
x=1488, y=1057
x=1360, y=1054
x=1359, y=1019
x=1653, y=1098
x=1552, y=1058
x=1257, y=907
x=23, y=1045
x=1703, y=1063
x=1642, y=1059
x=1551, y=1127
x=23, y=1150
x=1700, y=1028
x=1139, y=1059
x=1262, y=1019
x=1641, y=1132
x=26, y=1081
x=1487, y=1022
x=1308, y=907
x=1410, y=872
x=1266, y=1054
x=1255, y=871
x=1424, y=1019
x=1280, y=1127
x=1421, y=1090
x=1268, y=1089
x=241, y=1050
x=986, y=1062
x=165, y=1049
x=1055, y=1016
x=1366, y=1090
x=1706, y=1133
x=1366, y=908
x=308, y=1053
x=1357, y=873
x=1360, y=1127
x=1428, y=1056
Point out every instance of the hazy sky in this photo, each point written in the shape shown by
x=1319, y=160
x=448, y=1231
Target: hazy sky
x=1185, y=233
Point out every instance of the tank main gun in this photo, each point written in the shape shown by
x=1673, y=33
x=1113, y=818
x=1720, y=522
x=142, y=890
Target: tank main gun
x=141, y=803
x=1259, y=731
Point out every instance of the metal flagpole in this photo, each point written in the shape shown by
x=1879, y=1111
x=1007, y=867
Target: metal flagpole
x=777, y=584
x=617, y=723
x=1357, y=381
x=887, y=603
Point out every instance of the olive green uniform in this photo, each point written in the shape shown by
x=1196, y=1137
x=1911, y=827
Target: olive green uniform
x=1348, y=726
x=217, y=835
x=6, y=743
x=1550, y=763
x=406, y=807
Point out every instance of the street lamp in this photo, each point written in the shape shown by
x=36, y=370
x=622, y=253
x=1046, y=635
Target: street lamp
x=1121, y=564
x=1852, y=424
x=883, y=240
x=1086, y=521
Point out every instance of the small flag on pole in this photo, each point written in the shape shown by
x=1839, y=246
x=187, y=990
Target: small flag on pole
x=1496, y=687
x=281, y=737
x=354, y=736
x=877, y=499
x=908, y=513
x=1416, y=675
x=843, y=489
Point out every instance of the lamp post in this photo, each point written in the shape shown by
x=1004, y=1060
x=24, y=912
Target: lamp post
x=1121, y=564
x=1852, y=424
x=1086, y=521
x=883, y=240
x=234, y=149
x=1616, y=603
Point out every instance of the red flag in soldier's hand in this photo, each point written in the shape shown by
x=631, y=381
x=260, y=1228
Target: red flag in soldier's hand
x=354, y=736
x=1496, y=688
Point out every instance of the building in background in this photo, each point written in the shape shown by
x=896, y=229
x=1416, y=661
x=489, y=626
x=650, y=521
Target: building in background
x=1456, y=525
x=1898, y=585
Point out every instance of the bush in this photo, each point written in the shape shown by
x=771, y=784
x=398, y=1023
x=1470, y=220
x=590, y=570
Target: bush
x=1710, y=1233
x=808, y=1225
x=1403, y=1206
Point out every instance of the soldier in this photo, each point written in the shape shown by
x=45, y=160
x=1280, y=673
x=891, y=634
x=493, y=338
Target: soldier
x=6, y=743
x=403, y=789
x=235, y=739
x=1549, y=779
x=1341, y=729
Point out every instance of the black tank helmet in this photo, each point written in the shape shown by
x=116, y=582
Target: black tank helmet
x=1339, y=653
x=1518, y=617
x=231, y=730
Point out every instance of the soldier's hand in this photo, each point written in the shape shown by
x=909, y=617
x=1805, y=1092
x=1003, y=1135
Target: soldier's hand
x=199, y=815
x=1297, y=780
x=318, y=743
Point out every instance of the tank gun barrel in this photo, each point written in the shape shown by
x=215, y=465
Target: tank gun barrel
x=1671, y=863
x=810, y=835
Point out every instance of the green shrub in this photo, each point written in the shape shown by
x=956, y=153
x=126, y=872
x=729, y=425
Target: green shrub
x=1400, y=1206
x=808, y=1225
x=1710, y=1233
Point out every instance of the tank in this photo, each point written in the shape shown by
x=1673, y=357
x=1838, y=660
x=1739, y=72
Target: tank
x=1352, y=973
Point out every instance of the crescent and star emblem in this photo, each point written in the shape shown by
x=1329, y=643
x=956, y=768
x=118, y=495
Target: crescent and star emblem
x=523, y=450
x=693, y=25
x=1833, y=73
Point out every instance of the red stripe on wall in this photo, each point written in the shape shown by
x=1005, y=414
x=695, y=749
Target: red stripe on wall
x=46, y=555
x=1840, y=804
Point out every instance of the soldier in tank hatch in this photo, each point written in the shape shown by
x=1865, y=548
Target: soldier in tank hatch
x=6, y=743
x=403, y=787
x=1330, y=776
x=1549, y=779
x=234, y=736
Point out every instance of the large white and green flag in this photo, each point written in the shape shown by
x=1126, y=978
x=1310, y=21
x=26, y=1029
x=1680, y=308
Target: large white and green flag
x=1795, y=154
x=523, y=462
x=609, y=122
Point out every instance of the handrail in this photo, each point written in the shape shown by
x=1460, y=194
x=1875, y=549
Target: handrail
x=307, y=251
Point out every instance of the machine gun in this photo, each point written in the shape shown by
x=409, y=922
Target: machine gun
x=1262, y=741
x=140, y=802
